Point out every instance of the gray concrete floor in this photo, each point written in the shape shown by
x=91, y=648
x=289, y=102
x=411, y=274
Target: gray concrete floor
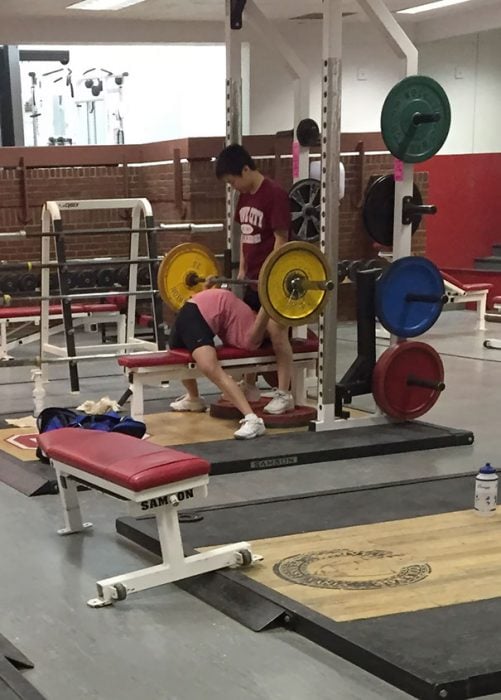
x=163, y=644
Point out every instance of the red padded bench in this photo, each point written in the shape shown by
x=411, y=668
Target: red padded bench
x=465, y=293
x=155, y=480
x=156, y=367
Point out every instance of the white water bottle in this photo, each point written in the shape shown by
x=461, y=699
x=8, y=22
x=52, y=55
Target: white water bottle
x=486, y=490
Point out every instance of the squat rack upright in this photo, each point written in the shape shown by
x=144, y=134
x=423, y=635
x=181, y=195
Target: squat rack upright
x=399, y=42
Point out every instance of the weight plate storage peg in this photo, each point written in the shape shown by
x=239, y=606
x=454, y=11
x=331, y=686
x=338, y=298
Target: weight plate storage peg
x=304, y=197
x=378, y=209
x=179, y=268
x=410, y=295
x=407, y=380
x=415, y=119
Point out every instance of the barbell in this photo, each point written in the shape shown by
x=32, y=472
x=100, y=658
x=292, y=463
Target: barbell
x=293, y=282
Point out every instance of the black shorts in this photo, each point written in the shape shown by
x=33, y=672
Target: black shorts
x=190, y=329
x=251, y=298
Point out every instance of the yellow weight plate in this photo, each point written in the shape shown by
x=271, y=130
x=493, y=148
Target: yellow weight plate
x=295, y=260
x=182, y=262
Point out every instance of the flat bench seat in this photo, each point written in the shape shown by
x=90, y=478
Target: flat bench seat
x=145, y=368
x=477, y=287
x=135, y=464
x=224, y=352
x=154, y=480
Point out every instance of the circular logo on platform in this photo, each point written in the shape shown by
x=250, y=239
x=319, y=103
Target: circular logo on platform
x=348, y=569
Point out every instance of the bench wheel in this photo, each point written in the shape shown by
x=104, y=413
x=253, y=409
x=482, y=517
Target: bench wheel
x=121, y=591
x=246, y=556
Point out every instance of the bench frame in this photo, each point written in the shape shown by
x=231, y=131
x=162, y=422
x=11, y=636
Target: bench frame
x=139, y=377
x=456, y=295
x=162, y=502
x=84, y=318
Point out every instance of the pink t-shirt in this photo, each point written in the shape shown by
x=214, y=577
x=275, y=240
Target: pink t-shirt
x=260, y=215
x=228, y=317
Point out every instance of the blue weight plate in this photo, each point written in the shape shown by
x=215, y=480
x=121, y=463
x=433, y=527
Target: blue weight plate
x=410, y=275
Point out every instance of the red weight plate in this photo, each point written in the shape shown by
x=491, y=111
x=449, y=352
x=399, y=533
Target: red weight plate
x=389, y=381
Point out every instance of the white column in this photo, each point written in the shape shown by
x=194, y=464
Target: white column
x=233, y=129
x=329, y=209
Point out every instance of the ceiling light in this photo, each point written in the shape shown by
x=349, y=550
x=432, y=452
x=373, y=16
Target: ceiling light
x=430, y=6
x=102, y=5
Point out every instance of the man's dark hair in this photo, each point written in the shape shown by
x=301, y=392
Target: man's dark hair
x=232, y=160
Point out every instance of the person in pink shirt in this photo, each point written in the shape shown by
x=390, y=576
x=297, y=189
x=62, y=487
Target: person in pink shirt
x=218, y=312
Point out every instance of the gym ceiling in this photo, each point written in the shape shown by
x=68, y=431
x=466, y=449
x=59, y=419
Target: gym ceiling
x=24, y=15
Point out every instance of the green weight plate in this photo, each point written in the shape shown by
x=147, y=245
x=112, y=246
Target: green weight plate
x=413, y=96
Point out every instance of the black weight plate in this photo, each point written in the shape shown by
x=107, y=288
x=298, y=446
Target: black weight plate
x=304, y=197
x=105, y=277
x=9, y=283
x=88, y=278
x=122, y=276
x=143, y=275
x=308, y=133
x=28, y=282
x=377, y=212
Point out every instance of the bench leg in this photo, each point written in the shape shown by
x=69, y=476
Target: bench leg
x=137, y=399
x=482, y=308
x=3, y=340
x=121, y=329
x=175, y=565
x=71, y=507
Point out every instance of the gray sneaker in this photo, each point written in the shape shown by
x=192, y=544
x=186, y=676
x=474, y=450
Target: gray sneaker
x=184, y=403
x=281, y=403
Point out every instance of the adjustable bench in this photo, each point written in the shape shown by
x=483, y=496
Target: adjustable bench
x=154, y=480
x=465, y=293
x=83, y=314
x=155, y=367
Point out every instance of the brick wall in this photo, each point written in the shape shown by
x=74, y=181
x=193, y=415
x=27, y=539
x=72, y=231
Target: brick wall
x=23, y=192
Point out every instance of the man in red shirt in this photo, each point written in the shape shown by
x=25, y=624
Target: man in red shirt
x=207, y=314
x=263, y=212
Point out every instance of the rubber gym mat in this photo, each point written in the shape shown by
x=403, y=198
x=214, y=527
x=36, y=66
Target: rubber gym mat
x=13, y=686
x=277, y=448
x=291, y=449
x=442, y=646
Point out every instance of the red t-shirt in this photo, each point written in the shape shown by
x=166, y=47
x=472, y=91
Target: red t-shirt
x=260, y=215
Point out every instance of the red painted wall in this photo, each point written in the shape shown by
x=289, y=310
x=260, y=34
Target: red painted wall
x=467, y=191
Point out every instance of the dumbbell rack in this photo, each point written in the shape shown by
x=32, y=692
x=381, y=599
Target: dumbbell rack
x=53, y=230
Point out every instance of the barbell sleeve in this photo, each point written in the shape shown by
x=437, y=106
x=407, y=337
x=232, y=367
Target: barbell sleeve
x=12, y=235
x=422, y=118
x=427, y=298
x=425, y=383
x=323, y=285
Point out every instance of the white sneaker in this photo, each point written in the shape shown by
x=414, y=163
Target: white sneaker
x=184, y=403
x=251, y=391
x=281, y=403
x=252, y=427
x=270, y=394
